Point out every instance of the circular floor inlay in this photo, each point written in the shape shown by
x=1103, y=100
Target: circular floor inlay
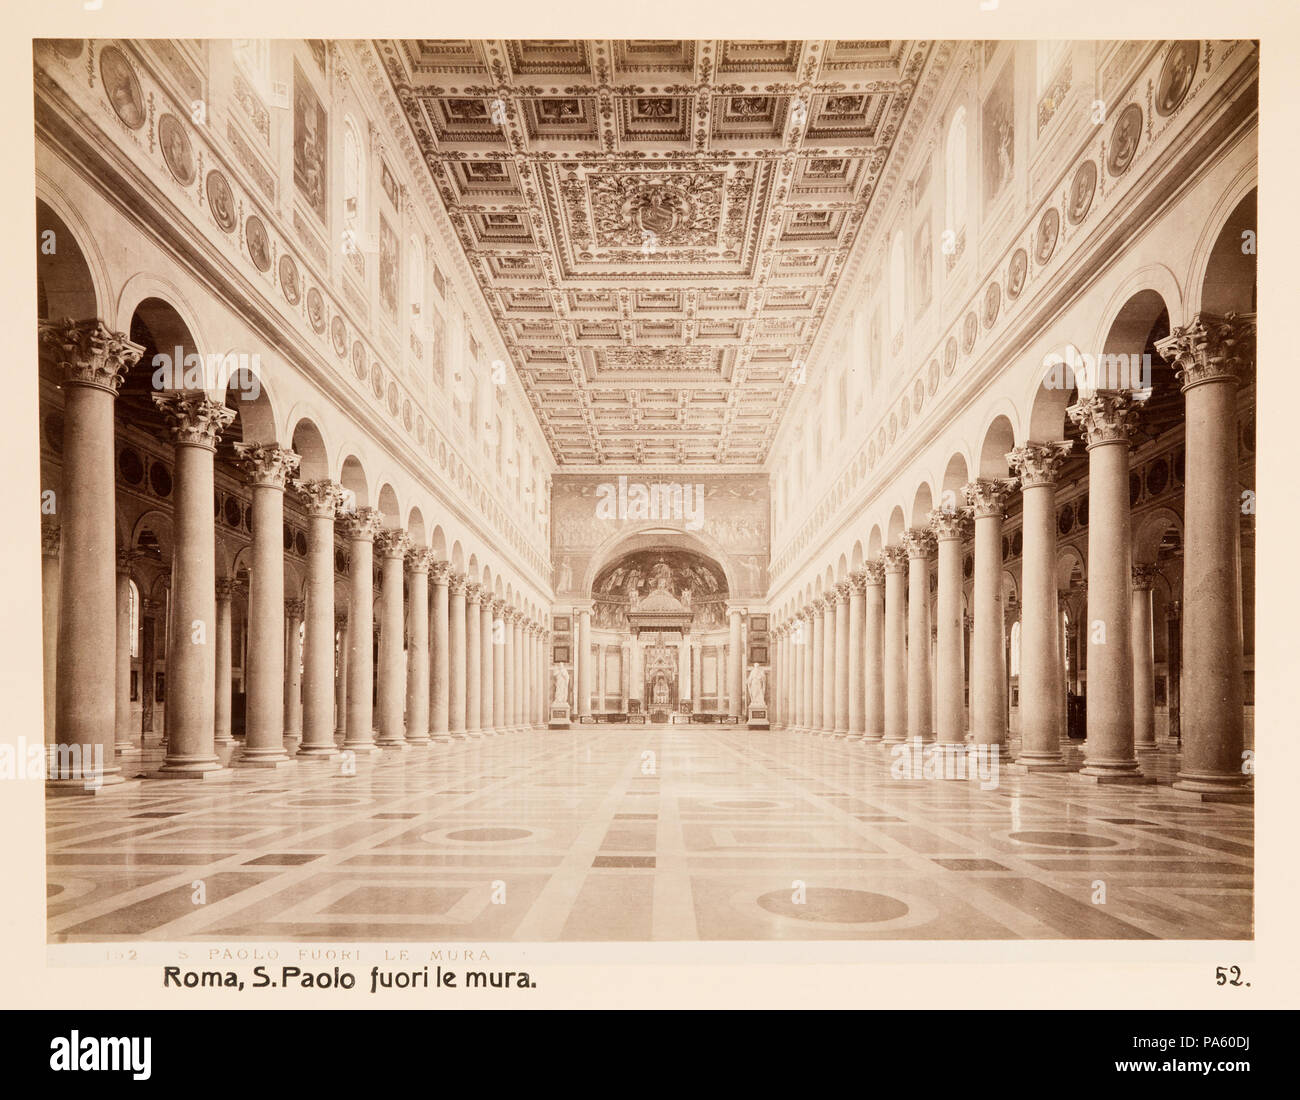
x=489, y=834
x=747, y=804
x=1064, y=840
x=835, y=906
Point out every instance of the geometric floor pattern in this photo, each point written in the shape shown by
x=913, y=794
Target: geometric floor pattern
x=582, y=836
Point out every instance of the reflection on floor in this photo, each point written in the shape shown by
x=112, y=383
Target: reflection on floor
x=644, y=834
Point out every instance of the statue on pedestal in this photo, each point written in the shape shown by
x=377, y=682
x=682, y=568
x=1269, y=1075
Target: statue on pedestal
x=560, y=696
x=755, y=683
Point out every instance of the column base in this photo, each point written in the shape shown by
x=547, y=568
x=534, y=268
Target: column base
x=270, y=760
x=419, y=741
x=360, y=748
x=1112, y=774
x=65, y=788
x=224, y=742
x=196, y=770
x=313, y=753
x=1152, y=747
x=1023, y=765
x=1212, y=788
x=393, y=746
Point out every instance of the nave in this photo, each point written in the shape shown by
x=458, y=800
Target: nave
x=647, y=834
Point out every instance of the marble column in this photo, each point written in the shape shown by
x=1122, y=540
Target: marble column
x=92, y=362
x=735, y=662
x=197, y=424
x=499, y=628
x=684, y=668
x=1144, y=659
x=776, y=687
x=636, y=676
x=341, y=678
x=857, y=628
x=950, y=526
x=266, y=466
x=1063, y=664
x=1106, y=420
x=827, y=724
x=439, y=655
x=919, y=543
x=489, y=719
x=418, y=561
x=1210, y=356
x=456, y=655
x=293, y=613
x=322, y=500
x=361, y=527
x=582, y=661
x=798, y=646
x=124, y=734
x=987, y=497
x=895, y=678
x=817, y=707
x=1041, y=688
x=222, y=691
x=843, y=687
x=517, y=708
x=812, y=617
x=50, y=621
x=473, y=661
x=391, y=545
x=508, y=652
x=530, y=712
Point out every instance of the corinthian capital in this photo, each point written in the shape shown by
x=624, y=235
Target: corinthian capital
x=1106, y=416
x=1039, y=463
x=89, y=353
x=363, y=524
x=873, y=572
x=267, y=465
x=473, y=591
x=842, y=589
x=987, y=496
x=196, y=420
x=919, y=542
x=322, y=498
x=456, y=583
x=949, y=523
x=1144, y=576
x=392, y=542
x=419, y=559
x=894, y=558
x=1211, y=348
x=439, y=571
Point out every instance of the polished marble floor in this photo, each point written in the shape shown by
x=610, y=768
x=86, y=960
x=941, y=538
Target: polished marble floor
x=632, y=834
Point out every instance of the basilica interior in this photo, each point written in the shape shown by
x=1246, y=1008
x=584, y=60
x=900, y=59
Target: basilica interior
x=645, y=474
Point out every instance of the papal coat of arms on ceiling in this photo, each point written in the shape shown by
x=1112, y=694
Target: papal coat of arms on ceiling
x=675, y=210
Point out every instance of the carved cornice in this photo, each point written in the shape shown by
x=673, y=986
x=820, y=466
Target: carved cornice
x=89, y=353
x=1211, y=348
x=195, y=420
x=1039, y=463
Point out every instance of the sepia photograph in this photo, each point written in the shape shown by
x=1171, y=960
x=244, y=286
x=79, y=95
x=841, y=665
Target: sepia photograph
x=620, y=522
x=945, y=635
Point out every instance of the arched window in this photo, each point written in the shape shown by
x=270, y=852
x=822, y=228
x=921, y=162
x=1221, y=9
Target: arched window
x=353, y=179
x=954, y=162
x=897, y=284
x=1015, y=648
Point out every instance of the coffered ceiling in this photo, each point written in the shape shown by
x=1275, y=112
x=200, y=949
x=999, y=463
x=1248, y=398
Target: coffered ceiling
x=658, y=226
